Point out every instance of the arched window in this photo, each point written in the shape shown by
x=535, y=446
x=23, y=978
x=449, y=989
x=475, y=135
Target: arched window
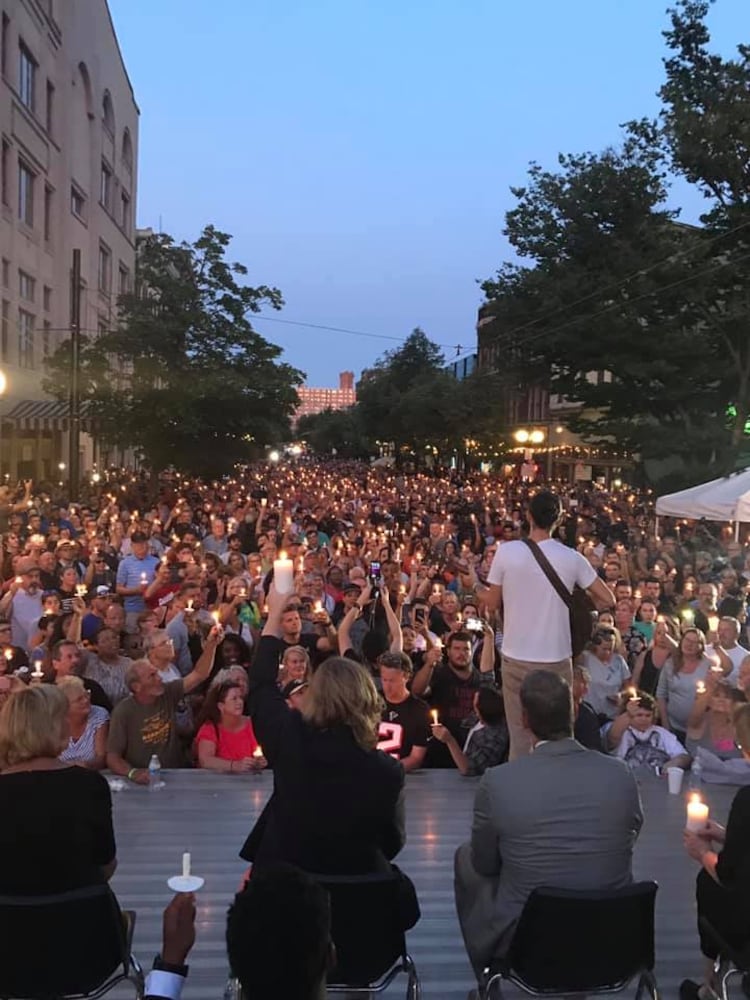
x=85, y=83
x=108, y=114
x=127, y=151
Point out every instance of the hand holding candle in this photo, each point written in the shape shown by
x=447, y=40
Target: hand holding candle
x=185, y=882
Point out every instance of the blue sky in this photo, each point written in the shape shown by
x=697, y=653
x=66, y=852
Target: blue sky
x=361, y=151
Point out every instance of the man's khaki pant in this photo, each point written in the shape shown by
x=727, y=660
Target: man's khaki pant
x=513, y=672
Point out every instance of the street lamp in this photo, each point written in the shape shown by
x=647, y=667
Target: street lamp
x=521, y=436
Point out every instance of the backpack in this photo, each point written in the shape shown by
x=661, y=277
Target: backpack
x=646, y=753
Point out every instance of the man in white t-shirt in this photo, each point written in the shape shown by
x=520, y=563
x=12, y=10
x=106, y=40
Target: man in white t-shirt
x=728, y=634
x=536, y=634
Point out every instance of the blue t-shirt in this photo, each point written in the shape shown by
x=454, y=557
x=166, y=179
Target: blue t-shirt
x=130, y=573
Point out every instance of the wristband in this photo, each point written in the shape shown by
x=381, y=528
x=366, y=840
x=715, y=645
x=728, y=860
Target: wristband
x=131, y=772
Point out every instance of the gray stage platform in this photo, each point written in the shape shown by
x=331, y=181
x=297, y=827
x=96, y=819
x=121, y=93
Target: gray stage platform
x=210, y=815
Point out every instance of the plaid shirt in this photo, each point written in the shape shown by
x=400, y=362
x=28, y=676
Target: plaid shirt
x=486, y=747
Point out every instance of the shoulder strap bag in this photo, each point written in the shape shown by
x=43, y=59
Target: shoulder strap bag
x=579, y=604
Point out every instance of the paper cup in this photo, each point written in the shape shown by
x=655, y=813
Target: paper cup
x=674, y=778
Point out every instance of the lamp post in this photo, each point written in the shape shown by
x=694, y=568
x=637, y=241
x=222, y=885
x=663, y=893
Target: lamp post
x=3, y=387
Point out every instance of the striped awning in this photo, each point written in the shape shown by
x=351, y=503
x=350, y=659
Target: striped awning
x=44, y=415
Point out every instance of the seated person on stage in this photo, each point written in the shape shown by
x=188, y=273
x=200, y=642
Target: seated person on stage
x=487, y=743
x=405, y=727
x=723, y=884
x=634, y=738
x=225, y=740
x=586, y=729
x=145, y=723
x=88, y=725
x=45, y=801
x=338, y=805
x=274, y=904
x=452, y=686
x=562, y=816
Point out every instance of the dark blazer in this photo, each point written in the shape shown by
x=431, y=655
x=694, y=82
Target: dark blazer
x=335, y=808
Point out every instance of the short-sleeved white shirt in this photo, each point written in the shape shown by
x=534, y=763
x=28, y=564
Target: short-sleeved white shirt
x=536, y=620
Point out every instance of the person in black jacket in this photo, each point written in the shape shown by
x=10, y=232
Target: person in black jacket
x=337, y=807
x=723, y=884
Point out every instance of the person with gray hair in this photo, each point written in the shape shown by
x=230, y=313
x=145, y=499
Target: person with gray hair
x=147, y=723
x=562, y=816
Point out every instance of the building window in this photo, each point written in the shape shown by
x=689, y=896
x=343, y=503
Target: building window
x=77, y=203
x=26, y=76
x=4, y=330
x=6, y=272
x=26, y=286
x=127, y=151
x=50, y=107
x=123, y=280
x=25, y=194
x=105, y=269
x=125, y=212
x=108, y=114
x=46, y=338
x=47, y=212
x=5, y=173
x=4, y=41
x=25, y=339
x=105, y=189
x=47, y=298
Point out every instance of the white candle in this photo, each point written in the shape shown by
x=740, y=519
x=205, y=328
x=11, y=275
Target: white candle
x=283, y=574
x=186, y=864
x=190, y=604
x=258, y=751
x=697, y=813
x=700, y=688
x=144, y=578
x=216, y=616
x=38, y=672
x=80, y=589
x=434, y=715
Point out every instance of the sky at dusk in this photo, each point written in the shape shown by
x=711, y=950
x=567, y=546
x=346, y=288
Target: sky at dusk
x=361, y=152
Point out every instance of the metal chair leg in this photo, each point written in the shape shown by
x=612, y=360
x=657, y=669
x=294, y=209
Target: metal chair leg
x=136, y=977
x=724, y=981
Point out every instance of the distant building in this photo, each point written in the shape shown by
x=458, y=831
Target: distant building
x=314, y=400
x=464, y=367
x=68, y=173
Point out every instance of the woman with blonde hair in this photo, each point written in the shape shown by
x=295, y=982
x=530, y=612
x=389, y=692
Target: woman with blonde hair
x=677, y=688
x=88, y=725
x=337, y=806
x=47, y=797
x=295, y=665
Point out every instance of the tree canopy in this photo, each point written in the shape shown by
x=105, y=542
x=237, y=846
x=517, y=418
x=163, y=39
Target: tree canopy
x=609, y=280
x=183, y=376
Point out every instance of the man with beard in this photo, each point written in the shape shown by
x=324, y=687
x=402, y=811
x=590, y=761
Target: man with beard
x=23, y=603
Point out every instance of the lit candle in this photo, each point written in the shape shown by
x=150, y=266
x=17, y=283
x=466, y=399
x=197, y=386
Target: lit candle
x=317, y=607
x=713, y=622
x=80, y=589
x=38, y=672
x=700, y=688
x=19, y=580
x=697, y=813
x=434, y=715
x=216, y=616
x=258, y=751
x=283, y=574
x=8, y=654
x=688, y=616
x=144, y=578
x=190, y=604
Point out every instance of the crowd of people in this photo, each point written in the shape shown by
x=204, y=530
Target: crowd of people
x=146, y=627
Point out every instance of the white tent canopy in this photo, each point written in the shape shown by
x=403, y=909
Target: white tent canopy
x=726, y=499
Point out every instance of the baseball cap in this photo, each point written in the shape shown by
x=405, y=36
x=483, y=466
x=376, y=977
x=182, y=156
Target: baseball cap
x=102, y=591
x=138, y=536
x=292, y=687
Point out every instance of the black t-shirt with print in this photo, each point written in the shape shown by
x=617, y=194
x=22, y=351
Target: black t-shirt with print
x=404, y=726
x=454, y=699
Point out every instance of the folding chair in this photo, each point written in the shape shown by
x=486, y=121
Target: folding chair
x=729, y=961
x=366, y=930
x=580, y=943
x=70, y=945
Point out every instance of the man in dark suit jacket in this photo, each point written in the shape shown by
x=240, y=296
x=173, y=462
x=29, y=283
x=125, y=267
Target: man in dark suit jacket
x=563, y=816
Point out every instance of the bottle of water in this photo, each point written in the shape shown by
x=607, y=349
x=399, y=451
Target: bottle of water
x=696, y=775
x=154, y=773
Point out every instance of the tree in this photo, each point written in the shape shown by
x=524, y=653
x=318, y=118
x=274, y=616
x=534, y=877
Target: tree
x=617, y=285
x=184, y=377
x=335, y=430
